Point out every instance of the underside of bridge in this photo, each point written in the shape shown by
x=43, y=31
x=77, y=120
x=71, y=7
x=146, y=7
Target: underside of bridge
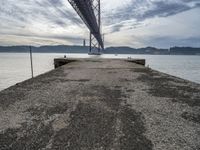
x=90, y=13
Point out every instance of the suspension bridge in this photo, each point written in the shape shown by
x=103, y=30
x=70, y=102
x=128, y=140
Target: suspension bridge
x=90, y=12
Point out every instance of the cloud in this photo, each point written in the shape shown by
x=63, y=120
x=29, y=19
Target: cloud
x=58, y=9
x=138, y=11
x=144, y=9
x=40, y=18
x=132, y=22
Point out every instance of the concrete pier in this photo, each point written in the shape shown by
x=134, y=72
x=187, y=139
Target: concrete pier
x=96, y=104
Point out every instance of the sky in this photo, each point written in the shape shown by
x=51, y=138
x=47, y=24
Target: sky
x=134, y=23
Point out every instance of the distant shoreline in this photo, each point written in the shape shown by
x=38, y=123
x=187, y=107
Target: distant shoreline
x=109, y=50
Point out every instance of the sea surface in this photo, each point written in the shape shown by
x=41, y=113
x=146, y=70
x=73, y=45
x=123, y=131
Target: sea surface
x=15, y=67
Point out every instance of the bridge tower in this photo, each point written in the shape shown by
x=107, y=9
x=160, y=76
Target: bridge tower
x=94, y=44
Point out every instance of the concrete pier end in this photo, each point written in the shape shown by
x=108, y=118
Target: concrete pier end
x=97, y=104
x=58, y=62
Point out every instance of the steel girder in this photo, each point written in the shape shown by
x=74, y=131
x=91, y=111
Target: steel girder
x=86, y=10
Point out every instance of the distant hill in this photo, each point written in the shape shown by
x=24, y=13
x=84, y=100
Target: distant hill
x=45, y=49
x=109, y=50
x=128, y=50
x=184, y=51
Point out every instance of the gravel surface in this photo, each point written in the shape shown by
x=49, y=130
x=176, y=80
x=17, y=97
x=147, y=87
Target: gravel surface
x=101, y=105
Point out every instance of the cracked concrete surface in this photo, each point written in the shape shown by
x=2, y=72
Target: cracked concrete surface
x=101, y=104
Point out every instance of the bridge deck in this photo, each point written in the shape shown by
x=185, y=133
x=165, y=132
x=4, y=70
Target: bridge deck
x=101, y=104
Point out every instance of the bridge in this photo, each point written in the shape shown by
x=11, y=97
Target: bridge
x=90, y=12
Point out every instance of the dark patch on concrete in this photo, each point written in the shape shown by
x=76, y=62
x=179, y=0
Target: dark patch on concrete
x=94, y=128
x=46, y=81
x=58, y=109
x=111, y=97
x=133, y=131
x=125, y=80
x=48, y=111
x=112, y=72
x=89, y=128
x=191, y=117
x=57, y=79
x=7, y=138
x=52, y=80
x=117, y=87
x=161, y=87
x=80, y=80
x=132, y=122
x=35, y=136
x=10, y=96
x=130, y=90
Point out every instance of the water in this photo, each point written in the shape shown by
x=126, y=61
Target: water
x=15, y=67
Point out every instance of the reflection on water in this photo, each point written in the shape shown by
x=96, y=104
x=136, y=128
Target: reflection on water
x=15, y=67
